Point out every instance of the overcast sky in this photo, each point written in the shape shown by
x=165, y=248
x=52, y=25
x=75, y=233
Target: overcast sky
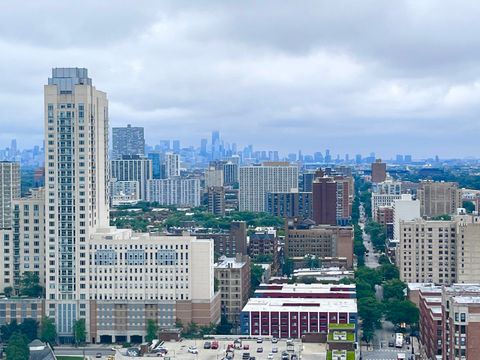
x=353, y=76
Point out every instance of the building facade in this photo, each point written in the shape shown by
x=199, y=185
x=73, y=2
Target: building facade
x=289, y=204
x=257, y=181
x=379, y=171
x=127, y=141
x=175, y=191
x=233, y=276
x=439, y=198
x=132, y=168
x=9, y=190
x=76, y=189
x=216, y=200
x=322, y=241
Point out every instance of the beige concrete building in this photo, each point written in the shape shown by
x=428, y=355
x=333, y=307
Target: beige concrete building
x=439, y=198
x=322, y=241
x=427, y=251
x=9, y=190
x=139, y=277
x=233, y=276
x=440, y=252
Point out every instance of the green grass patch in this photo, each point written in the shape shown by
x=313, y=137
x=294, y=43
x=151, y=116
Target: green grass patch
x=69, y=357
x=350, y=338
x=350, y=355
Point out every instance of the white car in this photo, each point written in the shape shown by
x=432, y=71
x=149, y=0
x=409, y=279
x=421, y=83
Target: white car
x=192, y=350
x=270, y=356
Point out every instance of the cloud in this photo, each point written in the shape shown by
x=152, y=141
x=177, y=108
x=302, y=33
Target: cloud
x=352, y=76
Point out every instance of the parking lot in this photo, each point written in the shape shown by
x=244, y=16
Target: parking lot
x=179, y=350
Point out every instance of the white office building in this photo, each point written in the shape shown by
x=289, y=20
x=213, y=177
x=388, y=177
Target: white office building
x=404, y=209
x=172, y=165
x=132, y=168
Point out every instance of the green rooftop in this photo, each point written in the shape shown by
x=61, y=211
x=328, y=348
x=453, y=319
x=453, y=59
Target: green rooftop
x=350, y=354
x=349, y=337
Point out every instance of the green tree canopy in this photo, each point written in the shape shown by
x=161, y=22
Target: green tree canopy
x=8, y=330
x=48, y=330
x=17, y=348
x=30, y=285
x=224, y=327
x=370, y=310
x=80, y=331
x=394, y=290
x=402, y=311
x=152, y=330
x=29, y=328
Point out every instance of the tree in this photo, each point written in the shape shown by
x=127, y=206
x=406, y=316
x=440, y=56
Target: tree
x=287, y=267
x=224, y=327
x=394, y=290
x=312, y=262
x=48, y=330
x=8, y=330
x=383, y=259
x=469, y=206
x=402, y=311
x=30, y=285
x=29, y=328
x=370, y=310
x=263, y=259
x=152, y=330
x=368, y=330
x=79, y=331
x=17, y=348
x=8, y=291
x=389, y=271
x=256, y=273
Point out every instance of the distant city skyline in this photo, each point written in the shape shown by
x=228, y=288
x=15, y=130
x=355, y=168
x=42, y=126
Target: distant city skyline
x=314, y=77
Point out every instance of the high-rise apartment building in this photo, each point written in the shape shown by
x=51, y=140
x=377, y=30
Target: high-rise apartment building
x=322, y=241
x=379, y=171
x=216, y=200
x=214, y=177
x=439, y=198
x=175, y=191
x=128, y=141
x=230, y=173
x=9, y=190
x=257, y=181
x=404, y=209
x=233, y=275
x=440, y=252
x=133, y=168
x=172, y=165
x=289, y=204
x=76, y=183
x=324, y=202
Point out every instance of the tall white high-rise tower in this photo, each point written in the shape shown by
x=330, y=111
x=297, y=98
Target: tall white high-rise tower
x=76, y=184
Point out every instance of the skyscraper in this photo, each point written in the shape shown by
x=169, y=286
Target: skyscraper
x=76, y=164
x=132, y=168
x=9, y=190
x=172, y=165
x=128, y=141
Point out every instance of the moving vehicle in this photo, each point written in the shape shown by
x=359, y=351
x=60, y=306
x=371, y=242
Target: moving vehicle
x=398, y=340
x=192, y=350
x=401, y=356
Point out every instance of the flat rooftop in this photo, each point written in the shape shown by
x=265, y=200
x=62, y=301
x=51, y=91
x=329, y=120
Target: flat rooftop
x=299, y=305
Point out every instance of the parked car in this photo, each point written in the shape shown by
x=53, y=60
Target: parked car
x=214, y=345
x=260, y=349
x=246, y=356
x=207, y=345
x=98, y=355
x=293, y=357
x=274, y=340
x=192, y=350
x=270, y=356
x=246, y=347
x=274, y=349
x=259, y=340
x=391, y=343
